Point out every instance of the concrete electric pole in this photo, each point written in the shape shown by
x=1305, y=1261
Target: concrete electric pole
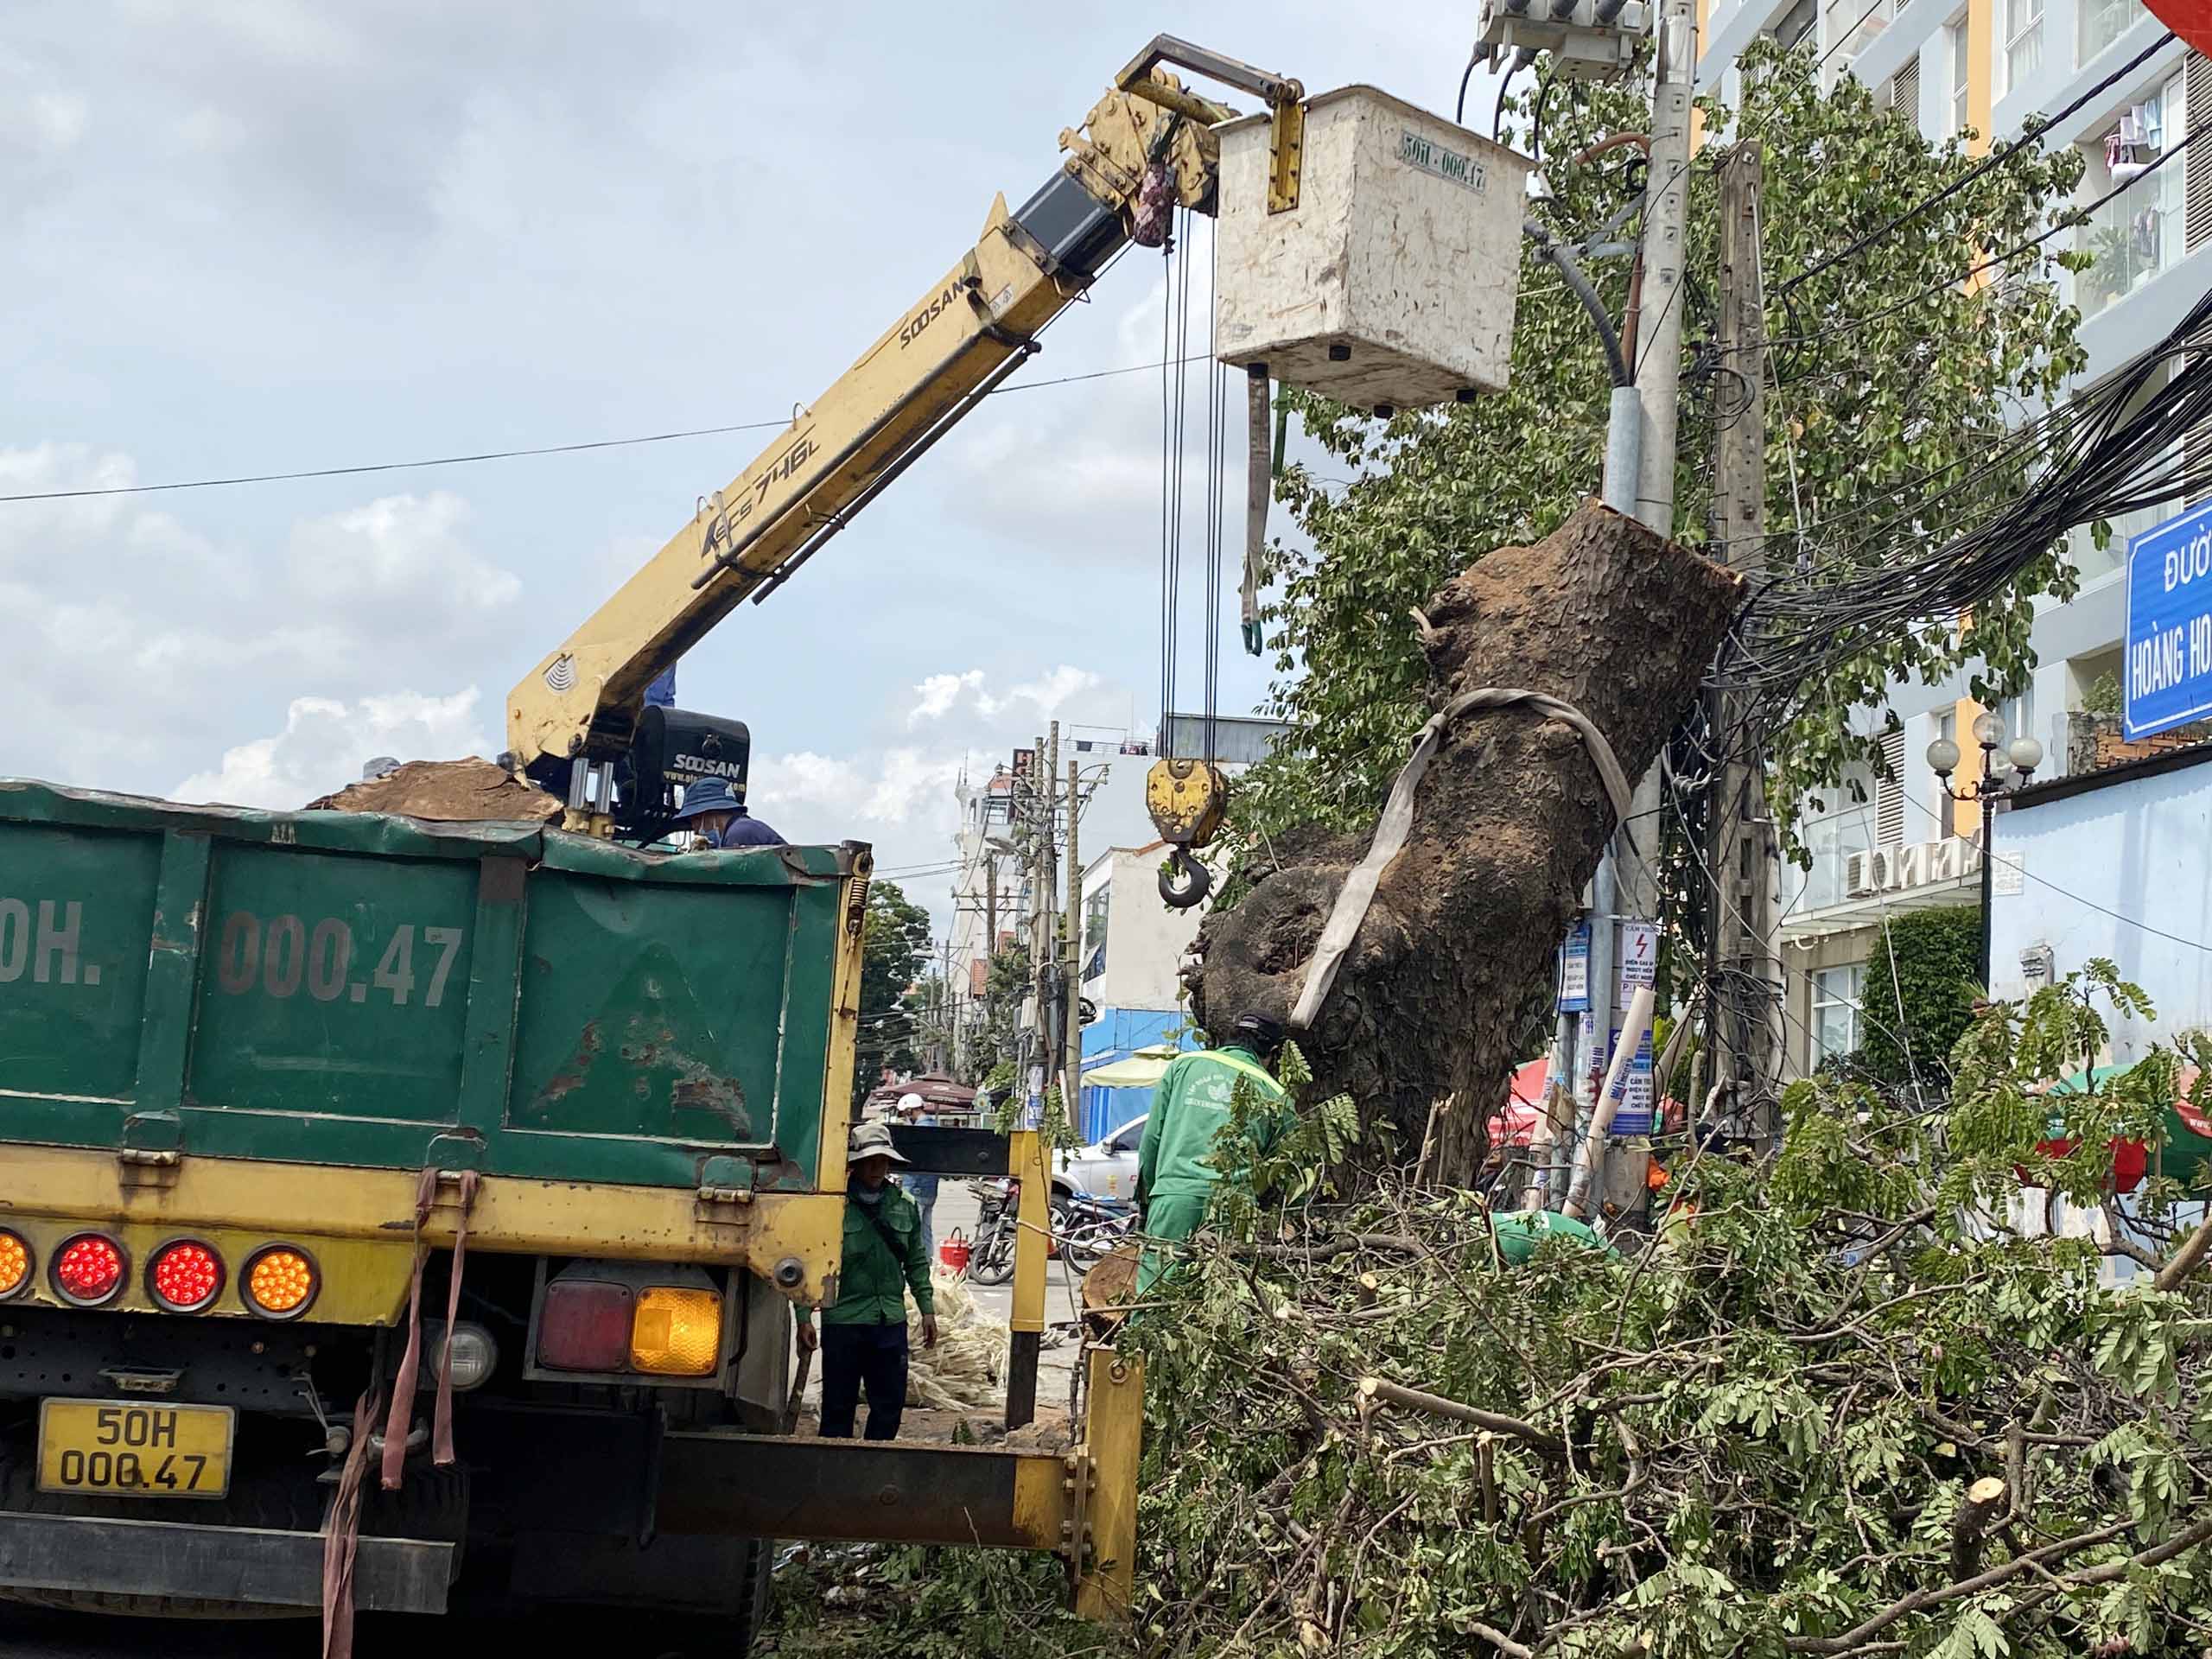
x=1746, y=987
x=1070, y=1089
x=1639, y=477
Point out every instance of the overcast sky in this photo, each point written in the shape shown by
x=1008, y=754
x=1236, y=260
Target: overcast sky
x=249, y=236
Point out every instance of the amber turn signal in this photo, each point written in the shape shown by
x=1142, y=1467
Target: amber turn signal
x=279, y=1282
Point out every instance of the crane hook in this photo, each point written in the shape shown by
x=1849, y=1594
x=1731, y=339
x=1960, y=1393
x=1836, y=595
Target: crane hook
x=1185, y=883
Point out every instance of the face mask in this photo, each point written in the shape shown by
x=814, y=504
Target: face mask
x=866, y=1197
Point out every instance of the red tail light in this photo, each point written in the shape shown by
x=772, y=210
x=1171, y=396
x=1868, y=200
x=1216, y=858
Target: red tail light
x=88, y=1270
x=186, y=1277
x=584, y=1326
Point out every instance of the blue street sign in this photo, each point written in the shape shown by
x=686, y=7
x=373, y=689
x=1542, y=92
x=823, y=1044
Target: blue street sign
x=2168, y=667
x=1574, y=970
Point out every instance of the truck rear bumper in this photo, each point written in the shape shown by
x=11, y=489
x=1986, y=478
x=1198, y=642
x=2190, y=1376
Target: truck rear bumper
x=252, y=1565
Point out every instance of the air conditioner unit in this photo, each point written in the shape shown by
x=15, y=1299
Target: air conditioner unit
x=1866, y=873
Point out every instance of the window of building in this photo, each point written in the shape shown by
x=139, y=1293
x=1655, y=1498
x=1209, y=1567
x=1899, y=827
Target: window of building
x=2021, y=55
x=1094, y=932
x=1956, y=35
x=1796, y=23
x=2140, y=231
x=2102, y=22
x=1850, y=27
x=1889, y=792
x=1837, y=994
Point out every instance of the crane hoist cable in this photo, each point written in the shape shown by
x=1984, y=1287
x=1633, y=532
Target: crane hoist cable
x=1184, y=794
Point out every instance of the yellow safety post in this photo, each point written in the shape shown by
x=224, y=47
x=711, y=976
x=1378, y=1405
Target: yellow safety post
x=1026, y=1163
x=1106, y=1572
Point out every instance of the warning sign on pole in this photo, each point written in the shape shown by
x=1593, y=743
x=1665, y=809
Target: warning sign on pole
x=1639, y=957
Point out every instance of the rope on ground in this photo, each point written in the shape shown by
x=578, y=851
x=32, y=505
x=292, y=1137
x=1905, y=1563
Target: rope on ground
x=1397, y=822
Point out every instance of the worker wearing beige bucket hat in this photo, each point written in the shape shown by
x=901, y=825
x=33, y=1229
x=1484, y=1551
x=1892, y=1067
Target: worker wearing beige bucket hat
x=863, y=1332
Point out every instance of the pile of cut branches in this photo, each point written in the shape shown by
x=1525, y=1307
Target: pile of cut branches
x=1846, y=1408
x=1857, y=1403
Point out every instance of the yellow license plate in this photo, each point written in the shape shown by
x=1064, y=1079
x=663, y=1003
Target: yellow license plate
x=133, y=1451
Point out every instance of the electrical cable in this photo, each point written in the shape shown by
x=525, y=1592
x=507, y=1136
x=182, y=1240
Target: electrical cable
x=1498, y=113
x=508, y=455
x=1459, y=111
x=1995, y=158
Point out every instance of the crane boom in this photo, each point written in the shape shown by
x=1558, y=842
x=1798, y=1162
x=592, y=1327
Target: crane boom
x=1142, y=148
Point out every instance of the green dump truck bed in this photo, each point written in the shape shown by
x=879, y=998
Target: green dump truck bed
x=357, y=990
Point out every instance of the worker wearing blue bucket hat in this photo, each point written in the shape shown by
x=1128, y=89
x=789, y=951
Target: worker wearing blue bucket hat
x=720, y=818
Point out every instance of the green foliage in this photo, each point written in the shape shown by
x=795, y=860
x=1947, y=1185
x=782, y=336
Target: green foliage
x=894, y=947
x=1751, y=1441
x=1919, y=997
x=1892, y=373
x=929, y=1604
x=991, y=1045
x=1771, y=1418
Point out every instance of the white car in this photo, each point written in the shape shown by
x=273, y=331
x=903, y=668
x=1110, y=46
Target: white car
x=1105, y=1169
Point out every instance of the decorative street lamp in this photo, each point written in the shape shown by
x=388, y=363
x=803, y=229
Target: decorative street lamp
x=2007, y=769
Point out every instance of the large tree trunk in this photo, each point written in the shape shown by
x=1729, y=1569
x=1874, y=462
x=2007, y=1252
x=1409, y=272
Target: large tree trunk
x=1507, y=826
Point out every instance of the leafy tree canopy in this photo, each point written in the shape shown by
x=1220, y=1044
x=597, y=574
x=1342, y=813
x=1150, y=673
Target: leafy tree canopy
x=894, y=945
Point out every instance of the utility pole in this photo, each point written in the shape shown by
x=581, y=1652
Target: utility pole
x=1070, y=1089
x=1659, y=370
x=1044, y=777
x=1745, y=993
x=1639, y=478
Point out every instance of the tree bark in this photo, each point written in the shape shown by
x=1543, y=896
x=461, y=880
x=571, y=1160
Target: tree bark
x=1507, y=826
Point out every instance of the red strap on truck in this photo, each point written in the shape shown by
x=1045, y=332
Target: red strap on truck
x=342, y=1535
x=400, y=1421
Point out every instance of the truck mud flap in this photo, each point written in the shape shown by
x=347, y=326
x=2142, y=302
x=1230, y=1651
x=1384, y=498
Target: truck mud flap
x=250, y=1564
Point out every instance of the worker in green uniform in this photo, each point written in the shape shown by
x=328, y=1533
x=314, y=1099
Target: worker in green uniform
x=863, y=1335
x=1176, y=1171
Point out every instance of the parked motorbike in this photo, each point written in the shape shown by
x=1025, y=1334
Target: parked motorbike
x=997, y=1226
x=1091, y=1228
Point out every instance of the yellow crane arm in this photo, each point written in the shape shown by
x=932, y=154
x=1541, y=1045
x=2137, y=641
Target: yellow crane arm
x=969, y=329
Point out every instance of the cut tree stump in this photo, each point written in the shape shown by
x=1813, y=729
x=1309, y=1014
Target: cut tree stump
x=1507, y=826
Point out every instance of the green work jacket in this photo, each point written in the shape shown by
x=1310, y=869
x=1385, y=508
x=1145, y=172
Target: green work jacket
x=873, y=1283
x=1175, y=1159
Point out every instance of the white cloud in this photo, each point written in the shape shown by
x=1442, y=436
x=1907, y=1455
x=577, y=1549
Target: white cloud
x=142, y=648
x=400, y=550
x=934, y=696
x=910, y=780
x=325, y=744
x=1053, y=691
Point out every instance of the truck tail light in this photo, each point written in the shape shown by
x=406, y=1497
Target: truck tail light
x=677, y=1332
x=14, y=1264
x=186, y=1277
x=584, y=1325
x=88, y=1270
x=280, y=1281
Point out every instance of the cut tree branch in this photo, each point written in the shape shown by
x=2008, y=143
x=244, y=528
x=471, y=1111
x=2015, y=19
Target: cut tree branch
x=1550, y=1446
x=2185, y=1260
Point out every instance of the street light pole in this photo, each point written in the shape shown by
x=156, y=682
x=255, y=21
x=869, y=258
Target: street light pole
x=2007, y=769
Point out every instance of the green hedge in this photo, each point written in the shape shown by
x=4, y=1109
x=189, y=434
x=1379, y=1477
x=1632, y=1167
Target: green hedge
x=1933, y=958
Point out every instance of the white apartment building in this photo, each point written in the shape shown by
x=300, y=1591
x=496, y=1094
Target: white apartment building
x=1988, y=65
